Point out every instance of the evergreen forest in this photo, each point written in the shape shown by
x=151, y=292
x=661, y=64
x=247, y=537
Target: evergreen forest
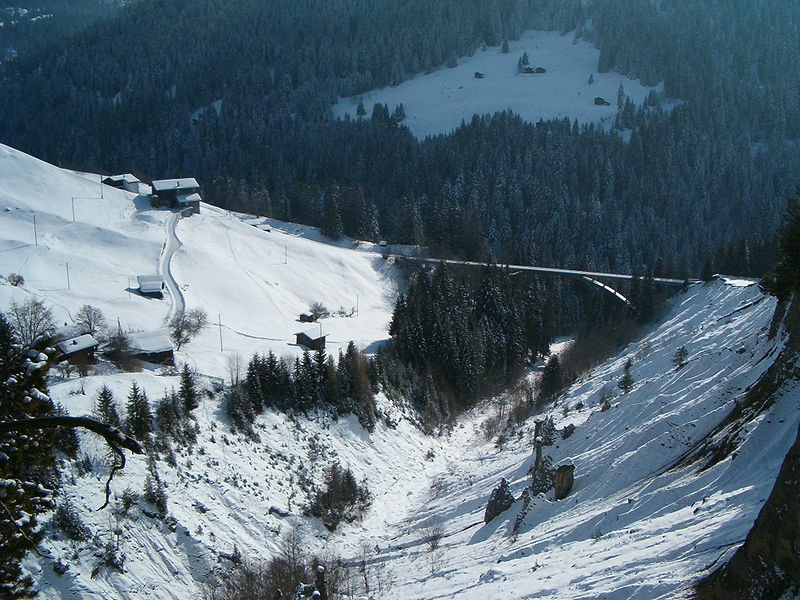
x=703, y=176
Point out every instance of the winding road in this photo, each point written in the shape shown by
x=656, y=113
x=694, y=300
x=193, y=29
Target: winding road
x=171, y=246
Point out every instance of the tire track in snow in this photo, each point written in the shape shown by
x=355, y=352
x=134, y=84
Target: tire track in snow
x=171, y=246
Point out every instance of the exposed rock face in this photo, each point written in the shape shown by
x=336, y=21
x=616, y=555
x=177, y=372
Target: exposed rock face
x=499, y=501
x=563, y=478
x=767, y=565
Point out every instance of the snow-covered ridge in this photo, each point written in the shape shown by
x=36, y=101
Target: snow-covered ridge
x=436, y=103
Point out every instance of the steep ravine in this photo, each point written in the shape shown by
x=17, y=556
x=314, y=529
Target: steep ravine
x=767, y=565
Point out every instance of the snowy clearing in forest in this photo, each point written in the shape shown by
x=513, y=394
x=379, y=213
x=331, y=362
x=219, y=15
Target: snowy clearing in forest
x=437, y=103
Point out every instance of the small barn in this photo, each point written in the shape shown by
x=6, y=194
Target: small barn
x=126, y=182
x=151, y=346
x=151, y=285
x=261, y=223
x=312, y=343
x=176, y=193
x=189, y=203
x=78, y=349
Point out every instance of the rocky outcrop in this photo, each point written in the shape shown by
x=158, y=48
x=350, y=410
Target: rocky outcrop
x=500, y=500
x=768, y=564
x=563, y=478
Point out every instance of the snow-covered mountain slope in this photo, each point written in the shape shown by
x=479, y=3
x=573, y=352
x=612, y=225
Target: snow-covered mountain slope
x=256, y=282
x=648, y=514
x=640, y=522
x=437, y=102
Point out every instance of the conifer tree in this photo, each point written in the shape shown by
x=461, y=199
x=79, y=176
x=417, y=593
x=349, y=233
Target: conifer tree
x=25, y=461
x=105, y=408
x=789, y=241
x=331, y=225
x=187, y=392
x=679, y=358
x=626, y=383
x=139, y=418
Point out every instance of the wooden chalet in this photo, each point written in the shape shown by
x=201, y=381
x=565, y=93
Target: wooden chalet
x=126, y=182
x=80, y=349
x=151, y=346
x=151, y=285
x=176, y=193
x=312, y=343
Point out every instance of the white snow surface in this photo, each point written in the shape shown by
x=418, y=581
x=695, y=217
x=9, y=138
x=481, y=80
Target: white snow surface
x=255, y=283
x=638, y=523
x=437, y=103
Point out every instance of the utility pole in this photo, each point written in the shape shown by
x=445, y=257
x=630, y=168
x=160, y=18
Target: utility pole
x=68, y=286
x=357, y=298
x=101, y=187
x=219, y=320
x=73, y=209
x=35, y=236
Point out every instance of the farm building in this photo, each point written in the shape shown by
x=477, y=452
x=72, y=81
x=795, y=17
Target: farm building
x=151, y=346
x=151, y=285
x=126, y=182
x=189, y=203
x=79, y=349
x=261, y=223
x=312, y=343
x=176, y=193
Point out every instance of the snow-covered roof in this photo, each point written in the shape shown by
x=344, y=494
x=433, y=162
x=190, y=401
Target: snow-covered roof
x=82, y=342
x=150, y=283
x=150, y=342
x=126, y=178
x=255, y=221
x=261, y=223
x=189, y=198
x=313, y=334
x=163, y=185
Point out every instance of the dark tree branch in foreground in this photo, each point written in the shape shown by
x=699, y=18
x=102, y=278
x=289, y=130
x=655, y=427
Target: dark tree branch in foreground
x=113, y=437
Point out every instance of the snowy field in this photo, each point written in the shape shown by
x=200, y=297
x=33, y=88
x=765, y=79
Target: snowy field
x=436, y=103
x=255, y=283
